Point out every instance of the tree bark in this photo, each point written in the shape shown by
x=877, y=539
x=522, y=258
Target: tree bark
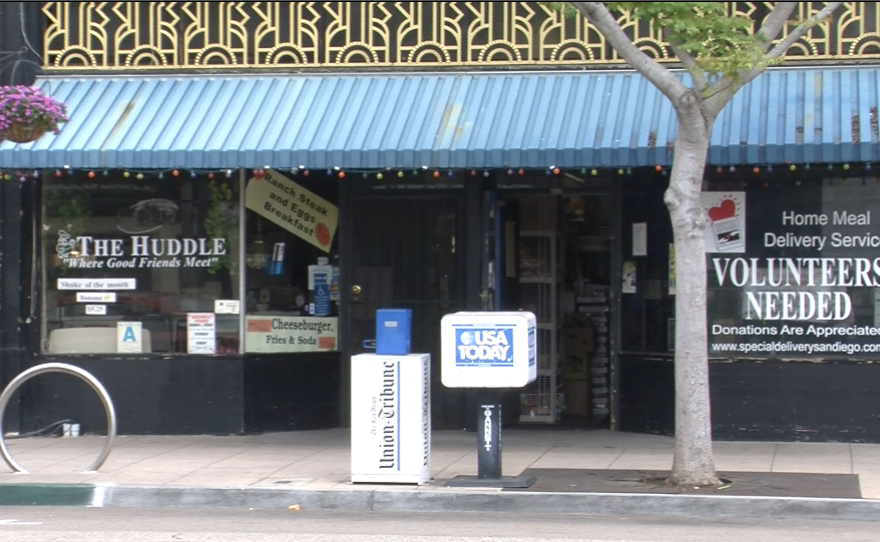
x=693, y=463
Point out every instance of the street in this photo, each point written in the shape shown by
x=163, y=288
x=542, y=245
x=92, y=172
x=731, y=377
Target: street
x=75, y=524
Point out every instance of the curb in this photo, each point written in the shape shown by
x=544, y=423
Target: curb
x=588, y=504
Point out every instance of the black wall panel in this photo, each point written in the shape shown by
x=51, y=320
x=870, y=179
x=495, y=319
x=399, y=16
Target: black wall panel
x=764, y=401
x=150, y=396
x=292, y=392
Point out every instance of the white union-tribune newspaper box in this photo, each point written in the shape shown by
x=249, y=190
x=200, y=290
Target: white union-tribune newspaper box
x=391, y=418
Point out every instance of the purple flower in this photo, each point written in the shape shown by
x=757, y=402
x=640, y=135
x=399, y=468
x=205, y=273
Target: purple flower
x=28, y=105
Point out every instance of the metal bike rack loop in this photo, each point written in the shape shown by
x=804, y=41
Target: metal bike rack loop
x=70, y=370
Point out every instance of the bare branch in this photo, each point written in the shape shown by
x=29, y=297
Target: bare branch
x=653, y=71
x=690, y=64
x=801, y=29
x=774, y=22
x=726, y=87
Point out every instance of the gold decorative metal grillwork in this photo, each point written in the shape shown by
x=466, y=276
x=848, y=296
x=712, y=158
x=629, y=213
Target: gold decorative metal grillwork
x=296, y=35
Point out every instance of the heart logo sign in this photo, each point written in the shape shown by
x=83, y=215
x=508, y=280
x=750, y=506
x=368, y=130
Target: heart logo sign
x=726, y=209
x=726, y=228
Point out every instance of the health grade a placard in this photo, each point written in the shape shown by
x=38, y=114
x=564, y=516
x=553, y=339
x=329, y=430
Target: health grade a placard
x=488, y=349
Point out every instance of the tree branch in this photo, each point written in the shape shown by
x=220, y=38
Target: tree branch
x=801, y=29
x=653, y=71
x=774, y=22
x=727, y=86
x=690, y=64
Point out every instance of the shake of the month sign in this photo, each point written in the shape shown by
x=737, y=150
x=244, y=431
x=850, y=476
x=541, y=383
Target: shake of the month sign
x=391, y=419
x=297, y=210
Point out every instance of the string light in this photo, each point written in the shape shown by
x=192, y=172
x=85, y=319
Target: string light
x=337, y=171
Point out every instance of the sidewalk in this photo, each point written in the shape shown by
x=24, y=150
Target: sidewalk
x=312, y=469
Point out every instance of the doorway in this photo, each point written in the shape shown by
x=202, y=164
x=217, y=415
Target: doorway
x=406, y=253
x=561, y=252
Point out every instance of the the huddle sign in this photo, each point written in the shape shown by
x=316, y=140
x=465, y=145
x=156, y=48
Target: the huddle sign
x=488, y=349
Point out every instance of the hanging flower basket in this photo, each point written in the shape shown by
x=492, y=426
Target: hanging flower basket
x=23, y=133
x=26, y=113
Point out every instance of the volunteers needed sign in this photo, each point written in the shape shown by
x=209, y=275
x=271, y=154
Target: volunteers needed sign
x=806, y=280
x=299, y=211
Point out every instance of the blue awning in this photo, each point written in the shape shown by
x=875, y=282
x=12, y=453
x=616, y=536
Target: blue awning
x=443, y=120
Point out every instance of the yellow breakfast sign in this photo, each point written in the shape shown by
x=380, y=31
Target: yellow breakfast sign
x=299, y=211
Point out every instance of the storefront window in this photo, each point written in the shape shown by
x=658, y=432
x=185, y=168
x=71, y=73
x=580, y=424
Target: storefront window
x=793, y=269
x=292, y=291
x=144, y=265
x=648, y=281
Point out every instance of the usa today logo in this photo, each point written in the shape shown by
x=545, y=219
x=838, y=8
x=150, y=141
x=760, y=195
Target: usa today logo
x=490, y=347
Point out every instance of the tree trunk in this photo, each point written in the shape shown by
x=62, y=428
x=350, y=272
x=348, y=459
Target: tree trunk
x=693, y=464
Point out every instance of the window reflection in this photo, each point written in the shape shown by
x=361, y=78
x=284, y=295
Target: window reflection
x=128, y=262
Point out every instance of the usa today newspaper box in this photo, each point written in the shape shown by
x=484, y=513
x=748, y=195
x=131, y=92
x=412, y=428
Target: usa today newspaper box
x=488, y=349
x=391, y=418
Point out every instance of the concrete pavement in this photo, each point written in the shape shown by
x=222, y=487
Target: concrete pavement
x=311, y=469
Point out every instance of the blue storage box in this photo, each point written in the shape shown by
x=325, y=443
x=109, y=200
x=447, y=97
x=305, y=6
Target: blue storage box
x=393, y=331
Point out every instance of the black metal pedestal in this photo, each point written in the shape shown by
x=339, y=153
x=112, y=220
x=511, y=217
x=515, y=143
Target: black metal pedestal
x=489, y=450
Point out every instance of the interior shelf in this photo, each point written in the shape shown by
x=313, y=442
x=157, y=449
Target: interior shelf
x=538, y=258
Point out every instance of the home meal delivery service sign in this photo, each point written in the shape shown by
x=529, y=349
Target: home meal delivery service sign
x=488, y=349
x=795, y=274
